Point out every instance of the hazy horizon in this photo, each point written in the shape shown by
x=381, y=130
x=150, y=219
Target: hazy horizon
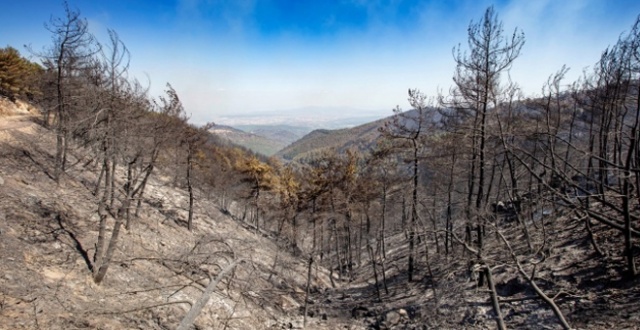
x=311, y=117
x=226, y=58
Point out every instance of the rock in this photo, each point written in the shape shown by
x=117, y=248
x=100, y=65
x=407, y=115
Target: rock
x=286, y=303
x=295, y=324
x=1, y=181
x=391, y=319
x=360, y=312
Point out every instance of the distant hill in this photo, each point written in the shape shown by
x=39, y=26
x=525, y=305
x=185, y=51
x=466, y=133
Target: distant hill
x=289, y=142
x=284, y=134
x=360, y=137
x=267, y=146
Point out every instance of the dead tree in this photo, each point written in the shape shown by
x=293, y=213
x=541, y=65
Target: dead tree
x=195, y=310
x=408, y=129
x=476, y=92
x=72, y=49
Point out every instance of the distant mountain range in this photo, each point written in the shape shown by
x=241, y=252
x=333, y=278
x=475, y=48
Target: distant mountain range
x=299, y=143
x=269, y=132
x=360, y=138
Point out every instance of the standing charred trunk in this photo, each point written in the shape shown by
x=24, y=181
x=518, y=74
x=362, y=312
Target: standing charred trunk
x=414, y=213
x=190, y=188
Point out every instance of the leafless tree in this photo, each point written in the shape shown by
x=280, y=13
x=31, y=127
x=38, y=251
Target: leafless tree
x=476, y=92
x=409, y=129
x=72, y=49
x=193, y=139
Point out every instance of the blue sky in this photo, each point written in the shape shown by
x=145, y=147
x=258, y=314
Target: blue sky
x=247, y=56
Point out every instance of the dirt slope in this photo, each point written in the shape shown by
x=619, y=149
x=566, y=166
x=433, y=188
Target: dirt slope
x=47, y=234
x=48, y=230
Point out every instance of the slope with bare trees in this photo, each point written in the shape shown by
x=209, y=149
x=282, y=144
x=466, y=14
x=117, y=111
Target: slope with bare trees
x=481, y=208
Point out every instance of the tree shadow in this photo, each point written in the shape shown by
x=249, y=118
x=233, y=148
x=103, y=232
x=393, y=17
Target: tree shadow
x=44, y=170
x=77, y=244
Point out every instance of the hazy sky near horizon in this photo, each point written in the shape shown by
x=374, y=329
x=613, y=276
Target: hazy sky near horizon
x=245, y=56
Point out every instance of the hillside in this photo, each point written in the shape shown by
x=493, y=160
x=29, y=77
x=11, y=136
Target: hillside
x=161, y=268
x=360, y=137
x=285, y=134
x=255, y=142
x=48, y=230
x=482, y=209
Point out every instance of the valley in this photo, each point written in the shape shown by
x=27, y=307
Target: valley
x=482, y=207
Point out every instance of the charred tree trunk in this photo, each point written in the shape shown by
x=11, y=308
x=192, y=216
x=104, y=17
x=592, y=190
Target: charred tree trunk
x=190, y=188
